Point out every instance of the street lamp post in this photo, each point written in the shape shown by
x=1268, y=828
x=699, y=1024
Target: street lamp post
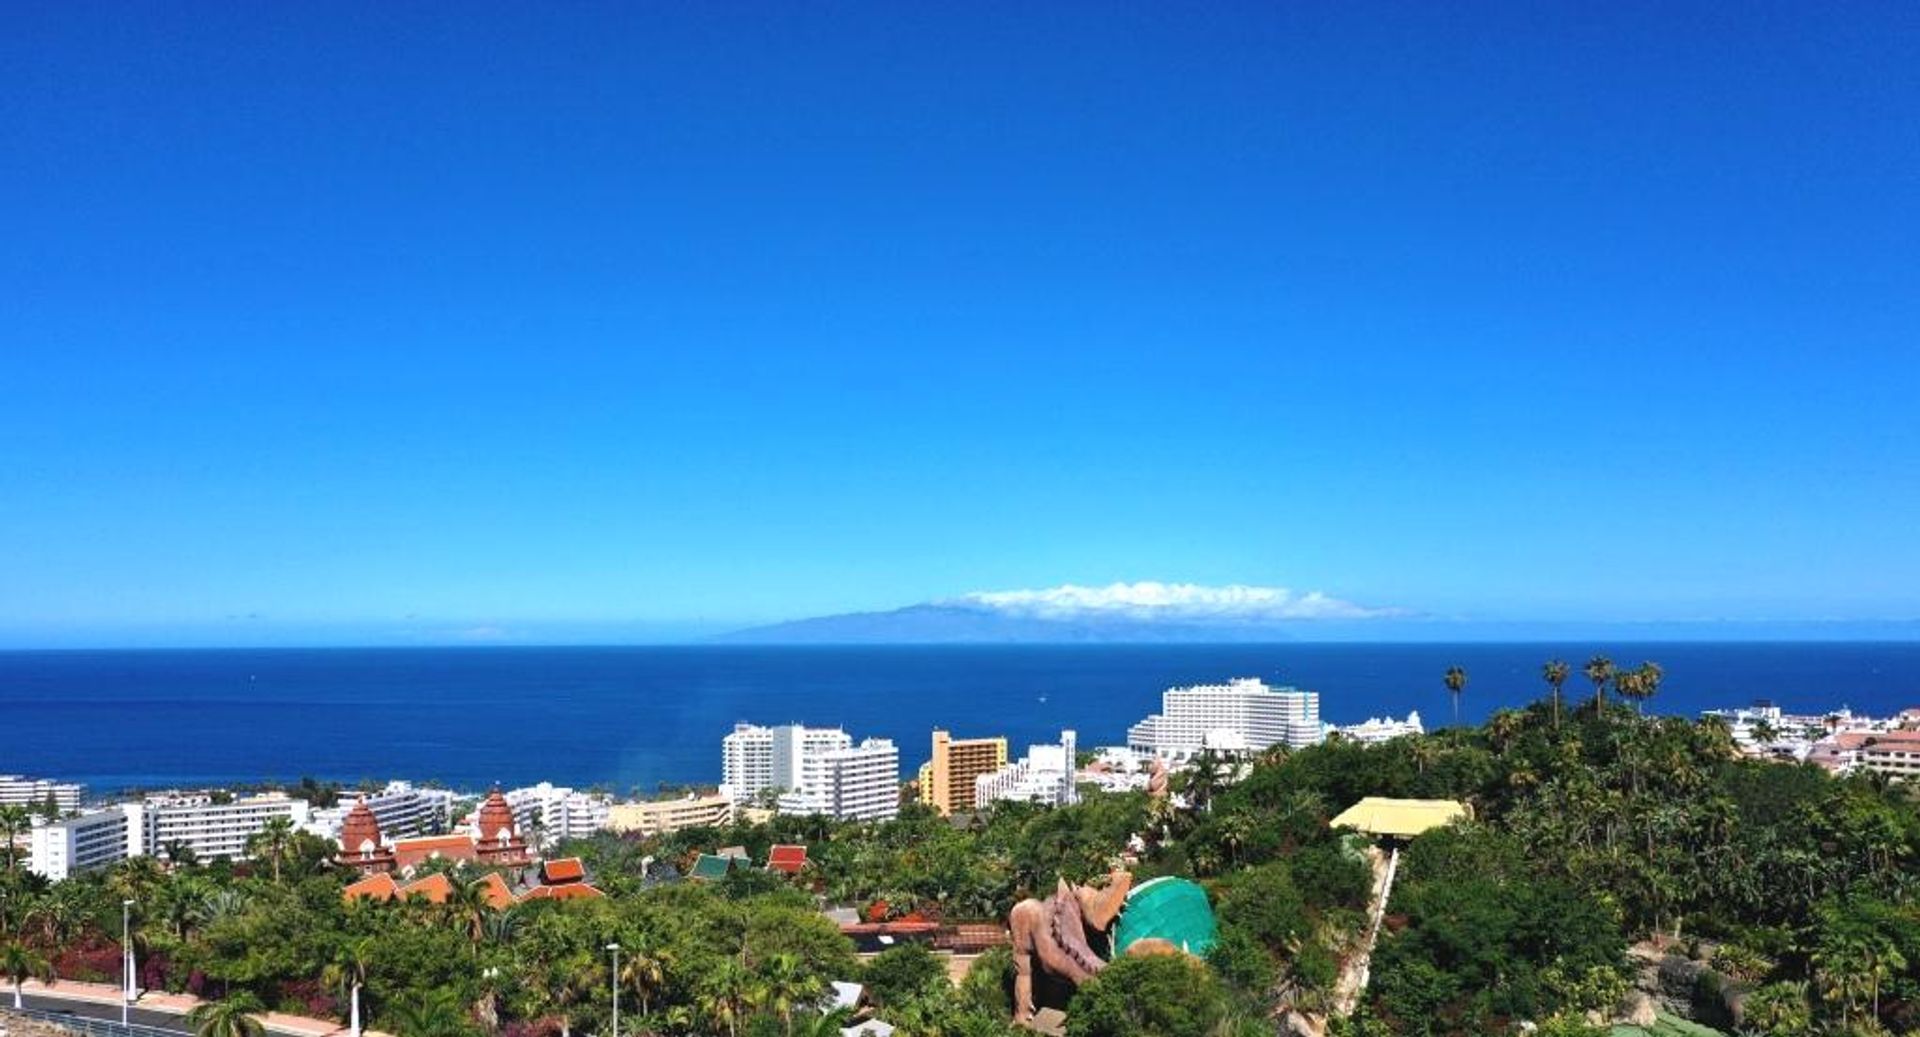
x=126, y=958
x=614, y=949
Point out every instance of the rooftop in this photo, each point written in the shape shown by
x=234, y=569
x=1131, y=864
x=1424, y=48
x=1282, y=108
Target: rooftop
x=1400, y=818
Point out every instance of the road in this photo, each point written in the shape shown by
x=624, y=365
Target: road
x=170, y=1021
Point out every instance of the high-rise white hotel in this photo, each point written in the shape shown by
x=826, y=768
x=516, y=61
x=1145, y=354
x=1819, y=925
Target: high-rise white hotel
x=1242, y=715
x=813, y=770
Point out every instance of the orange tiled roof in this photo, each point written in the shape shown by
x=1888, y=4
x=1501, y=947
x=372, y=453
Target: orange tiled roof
x=373, y=887
x=570, y=891
x=787, y=858
x=409, y=852
x=499, y=897
x=436, y=888
x=562, y=869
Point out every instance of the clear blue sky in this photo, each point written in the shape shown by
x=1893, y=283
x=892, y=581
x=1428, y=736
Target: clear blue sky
x=657, y=317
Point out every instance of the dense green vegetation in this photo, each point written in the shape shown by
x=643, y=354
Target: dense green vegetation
x=1603, y=840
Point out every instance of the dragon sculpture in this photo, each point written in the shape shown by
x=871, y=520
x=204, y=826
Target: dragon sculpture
x=1056, y=932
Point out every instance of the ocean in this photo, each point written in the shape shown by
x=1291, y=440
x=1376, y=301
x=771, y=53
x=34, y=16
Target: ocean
x=632, y=717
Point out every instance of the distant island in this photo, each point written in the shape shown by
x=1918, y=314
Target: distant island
x=1143, y=614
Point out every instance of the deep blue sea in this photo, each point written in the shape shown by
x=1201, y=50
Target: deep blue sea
x=632, y=717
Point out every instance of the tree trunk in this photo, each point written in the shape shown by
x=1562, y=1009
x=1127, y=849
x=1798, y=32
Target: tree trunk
x=354, y=1020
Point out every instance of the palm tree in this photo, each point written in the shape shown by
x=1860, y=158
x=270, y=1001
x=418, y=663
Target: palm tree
x=1599, y=670
x=724, y=995
x=348, y=971
x=1764, y=732
x=1629, y=685
x=13, y=821
x=181, y=854
x=184, y=905
x=1555, y=673
x=785, y=982
x=437, y=1014
x=274, y=841
x=236, y=1016
x=1456, y=680
x=467, y=906
x=1647, y=680
x=1204, y=778
x=644, y=967
x=21, y=963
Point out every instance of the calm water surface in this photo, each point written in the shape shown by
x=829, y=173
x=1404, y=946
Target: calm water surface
x=632, y=717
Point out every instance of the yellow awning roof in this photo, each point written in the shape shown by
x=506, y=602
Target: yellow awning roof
x=1402, y=818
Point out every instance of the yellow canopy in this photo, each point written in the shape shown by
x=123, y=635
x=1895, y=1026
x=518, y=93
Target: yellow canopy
x=1401, y=818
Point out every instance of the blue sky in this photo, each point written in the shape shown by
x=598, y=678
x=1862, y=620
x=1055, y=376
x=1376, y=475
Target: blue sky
x=630, y=320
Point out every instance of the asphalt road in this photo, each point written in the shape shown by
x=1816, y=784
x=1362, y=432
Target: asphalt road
x=95, y=1010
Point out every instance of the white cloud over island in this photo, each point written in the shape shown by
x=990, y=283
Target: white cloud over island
x=1174, y=602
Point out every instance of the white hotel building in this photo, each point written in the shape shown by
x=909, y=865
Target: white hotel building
x=1044, y=775
x=20, y=791
x=1242, y=715
x=813, y=770
x=556, y=812
x=213, y=829
x=59, y=849
x=402, y=808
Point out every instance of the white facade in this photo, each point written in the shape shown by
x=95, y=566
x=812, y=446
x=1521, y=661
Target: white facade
x=59, y=849
x=755, y=759
x=1044, y=775
x=402, y=809
x=1376, y=730
x=212, y=829
x=860, y=783
x=556, y=812
x=1243, y=714
x=20, y=791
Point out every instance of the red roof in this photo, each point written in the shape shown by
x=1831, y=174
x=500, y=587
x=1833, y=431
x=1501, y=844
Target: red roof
x=410, y=852
x=499, y=897
x=373, y=887
x=787, y=858
x=436, y=888
x=562, y=869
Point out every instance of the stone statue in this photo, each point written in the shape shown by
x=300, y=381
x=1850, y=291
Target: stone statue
x=1057, y=931
x=1157, y=780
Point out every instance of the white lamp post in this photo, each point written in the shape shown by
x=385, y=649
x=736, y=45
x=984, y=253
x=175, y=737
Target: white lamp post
x=614, y=949
x=126, y=958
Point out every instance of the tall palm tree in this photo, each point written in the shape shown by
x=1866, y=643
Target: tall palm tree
x=1456, y=680
x=1204, y=778
x=785, y=983
x=643, y=966
x=21, y=963
x=1599, y=670
x=13, y=821
x=1648, y=678
x=236, y=1016
x=348, y=971
x=1629, y=685
x=1555, y=673
x=274, y=841
x=468, y=907
x=724, y=995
